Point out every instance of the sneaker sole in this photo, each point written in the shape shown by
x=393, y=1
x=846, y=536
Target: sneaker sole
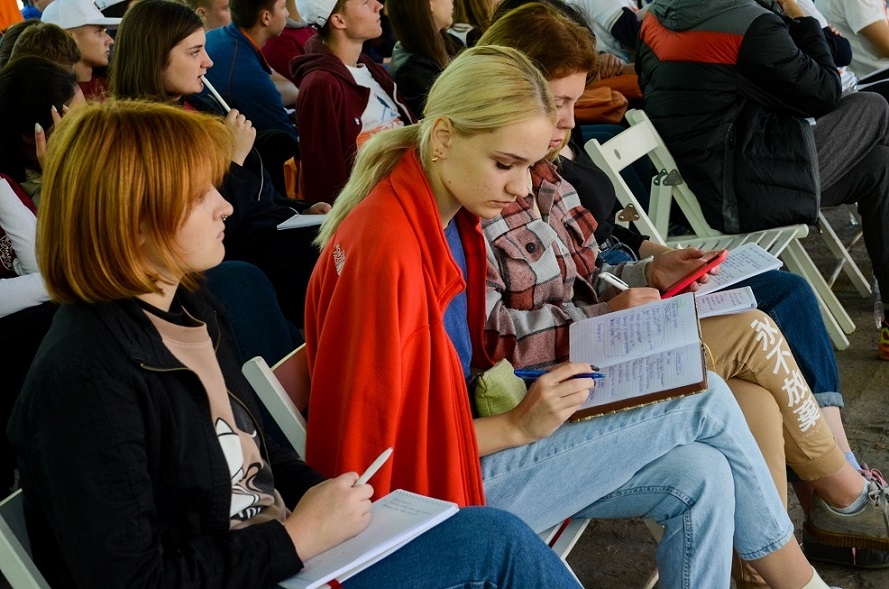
x=851, y=562
x=846, y=540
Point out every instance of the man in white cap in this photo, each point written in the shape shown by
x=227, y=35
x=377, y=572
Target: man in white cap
x=365, y=103
x=86, y=23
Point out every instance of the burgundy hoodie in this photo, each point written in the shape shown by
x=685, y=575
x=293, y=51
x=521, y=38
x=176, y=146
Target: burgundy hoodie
x=328, y=116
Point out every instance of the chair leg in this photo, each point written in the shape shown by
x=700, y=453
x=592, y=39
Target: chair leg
x=570, y=570
x=841, y=252
x=657, y=532
x=652, y=580
x=836, y=319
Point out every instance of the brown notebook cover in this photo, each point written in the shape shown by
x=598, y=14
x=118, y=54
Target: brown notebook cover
x=625, y=335
x=642, y=400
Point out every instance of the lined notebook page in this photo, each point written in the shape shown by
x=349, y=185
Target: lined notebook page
x=726, y=302
x=297, y=221
x=646, y=349
x=396, y=519
x=742, y=263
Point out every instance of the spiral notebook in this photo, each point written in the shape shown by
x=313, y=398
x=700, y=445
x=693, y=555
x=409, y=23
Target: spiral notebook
x=396, y=519
x=648, y=354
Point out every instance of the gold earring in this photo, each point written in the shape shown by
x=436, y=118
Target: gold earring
x=436, y=155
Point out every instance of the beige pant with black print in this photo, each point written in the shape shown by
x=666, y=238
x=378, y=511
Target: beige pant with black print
x=749, y=352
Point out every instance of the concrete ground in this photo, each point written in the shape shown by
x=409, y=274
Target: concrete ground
x=621, y=554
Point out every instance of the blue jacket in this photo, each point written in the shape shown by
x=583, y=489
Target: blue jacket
x=241, y=75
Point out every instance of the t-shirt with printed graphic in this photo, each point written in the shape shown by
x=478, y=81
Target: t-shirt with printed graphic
x=381, y=112
x=254, y=497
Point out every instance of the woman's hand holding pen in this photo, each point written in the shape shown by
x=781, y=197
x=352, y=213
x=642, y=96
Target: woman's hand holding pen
x=244, y=135
x=328, y=514
x=550, y=401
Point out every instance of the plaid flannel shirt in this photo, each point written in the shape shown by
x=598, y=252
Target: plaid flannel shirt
x=541, y=273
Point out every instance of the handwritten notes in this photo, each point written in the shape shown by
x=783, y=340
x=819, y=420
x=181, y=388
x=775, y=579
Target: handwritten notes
x=643, y=350
x=726, y=302
x=396, y=519
x=742, y=263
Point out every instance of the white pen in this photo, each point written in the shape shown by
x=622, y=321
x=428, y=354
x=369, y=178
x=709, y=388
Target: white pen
x=215, y=93
x=374, y=467
x=613, y=280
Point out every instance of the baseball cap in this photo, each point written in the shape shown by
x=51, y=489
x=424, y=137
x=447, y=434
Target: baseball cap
x=314, y=12
x=70, y=14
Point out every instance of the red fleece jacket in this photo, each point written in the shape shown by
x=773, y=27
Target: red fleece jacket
x=384, y=371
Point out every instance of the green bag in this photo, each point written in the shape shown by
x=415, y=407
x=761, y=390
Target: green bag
x=498, y=389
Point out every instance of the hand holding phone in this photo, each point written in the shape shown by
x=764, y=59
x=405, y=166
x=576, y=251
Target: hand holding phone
x=693, y=276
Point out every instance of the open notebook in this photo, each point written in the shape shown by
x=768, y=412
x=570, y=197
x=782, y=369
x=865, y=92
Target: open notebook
x=396, y=519
x=648, y=353
x=742, y=263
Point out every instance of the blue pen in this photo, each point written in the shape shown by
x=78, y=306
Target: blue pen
x=531, y=375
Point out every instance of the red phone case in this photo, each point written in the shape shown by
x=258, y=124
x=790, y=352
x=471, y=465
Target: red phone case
x=688, y=280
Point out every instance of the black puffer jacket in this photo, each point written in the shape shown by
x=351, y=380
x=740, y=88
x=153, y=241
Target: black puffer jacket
x=729, y=85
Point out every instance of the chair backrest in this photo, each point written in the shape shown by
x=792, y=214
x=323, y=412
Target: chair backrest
x=284, y=390
x=616, y=154
x=642, y=139
x=15, y=548
x=668, y=183
x=668, y=186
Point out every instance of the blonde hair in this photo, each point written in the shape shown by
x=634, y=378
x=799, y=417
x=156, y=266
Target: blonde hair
x=484, y=89
x=120, y=179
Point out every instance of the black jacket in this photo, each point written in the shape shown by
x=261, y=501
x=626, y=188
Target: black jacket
x=125, y=482
x=257, y=207
x=414, y=75
x=728, y=84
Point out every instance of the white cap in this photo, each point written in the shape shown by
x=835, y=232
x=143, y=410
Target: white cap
x=70, y=14
x=314, y=12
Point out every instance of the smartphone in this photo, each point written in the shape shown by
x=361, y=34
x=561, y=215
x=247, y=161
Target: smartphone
x=693, y=276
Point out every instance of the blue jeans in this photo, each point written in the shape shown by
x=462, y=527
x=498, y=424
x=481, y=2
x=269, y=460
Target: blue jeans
x=478, y=548
x=617, y=253
x=789, y=300
x=690, y=464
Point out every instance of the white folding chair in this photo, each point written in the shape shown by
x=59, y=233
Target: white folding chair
x=284, y=390
x=840, y=251
x=15, y=548
x=642, y=139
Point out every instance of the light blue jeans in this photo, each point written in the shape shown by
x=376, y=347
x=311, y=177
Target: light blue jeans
x=479, y=548
x=691, y=464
